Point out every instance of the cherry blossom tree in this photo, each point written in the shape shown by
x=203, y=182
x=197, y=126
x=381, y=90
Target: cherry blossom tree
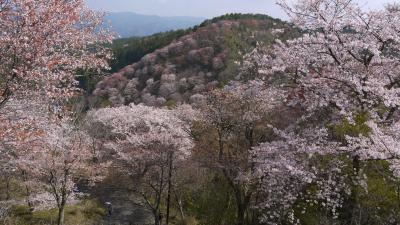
x=63, y=156
x=49, y=152
x=21, y=128
x=287, y=166
x=148, y=142
x=233, y=121
x=43, y=43
x=346, y=63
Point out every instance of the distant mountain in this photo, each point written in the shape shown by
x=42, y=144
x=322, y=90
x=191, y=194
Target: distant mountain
x=129, y=24
x=181, y=66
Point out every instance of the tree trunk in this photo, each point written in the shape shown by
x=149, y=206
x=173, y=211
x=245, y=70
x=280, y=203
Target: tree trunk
x=179, y=202
x=28, y=198
x=241, y=206
x=255, y=213
x=351, y=208
x=61, y=208
x=354, y=204
x=8, y=194
x=157, y=218
x=60, y=218
x=240, y=214
x=27, y=189
x=169, y=187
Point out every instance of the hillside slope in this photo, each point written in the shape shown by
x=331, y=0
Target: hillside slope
x=203, y=58
x=130, y=50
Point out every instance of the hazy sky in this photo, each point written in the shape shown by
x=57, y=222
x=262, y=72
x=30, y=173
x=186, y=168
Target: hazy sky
x=201, y=8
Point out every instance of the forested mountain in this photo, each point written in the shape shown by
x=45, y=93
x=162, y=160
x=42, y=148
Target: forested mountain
x=129, y=24
x=176, y=67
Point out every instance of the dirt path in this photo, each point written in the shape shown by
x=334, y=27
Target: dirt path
x=127, y=208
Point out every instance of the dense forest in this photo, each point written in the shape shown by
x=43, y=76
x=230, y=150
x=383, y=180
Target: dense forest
x=242, y=120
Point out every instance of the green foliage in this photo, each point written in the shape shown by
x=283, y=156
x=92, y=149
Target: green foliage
x=222, y=83
x=16, y=191
x=237, y=47
x=375, y=203
x=188, y=221
x=380, y=202
x=346, y=128
x=88, y=80
x=21, y=215
x=212, y=204
x=105, y=103
x=239, y=16
x=171, y=104
x=88, y=212
x=309, y=214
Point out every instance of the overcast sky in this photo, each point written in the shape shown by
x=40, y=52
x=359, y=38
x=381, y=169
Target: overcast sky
x=201, y=8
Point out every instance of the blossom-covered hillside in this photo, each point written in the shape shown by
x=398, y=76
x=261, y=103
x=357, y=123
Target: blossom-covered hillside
x=199, y=60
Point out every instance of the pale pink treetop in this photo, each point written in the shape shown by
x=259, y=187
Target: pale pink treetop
x=141, y=134
x=44, y=42
x=346, y=57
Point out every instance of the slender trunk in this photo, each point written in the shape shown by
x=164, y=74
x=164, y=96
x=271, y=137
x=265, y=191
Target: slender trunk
x=350, y=209
x=156, y=217
x=169, y=187
x=241, y=207
x=242, y=204
x=61, y=208
x=60, y=218
x=155, y=206
x=240, y=214
x=179, y=202
x=154, y=209
x=354, y=192
x=398, y=194
x=8, y=194
x=28, y=197
x=28, y=190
